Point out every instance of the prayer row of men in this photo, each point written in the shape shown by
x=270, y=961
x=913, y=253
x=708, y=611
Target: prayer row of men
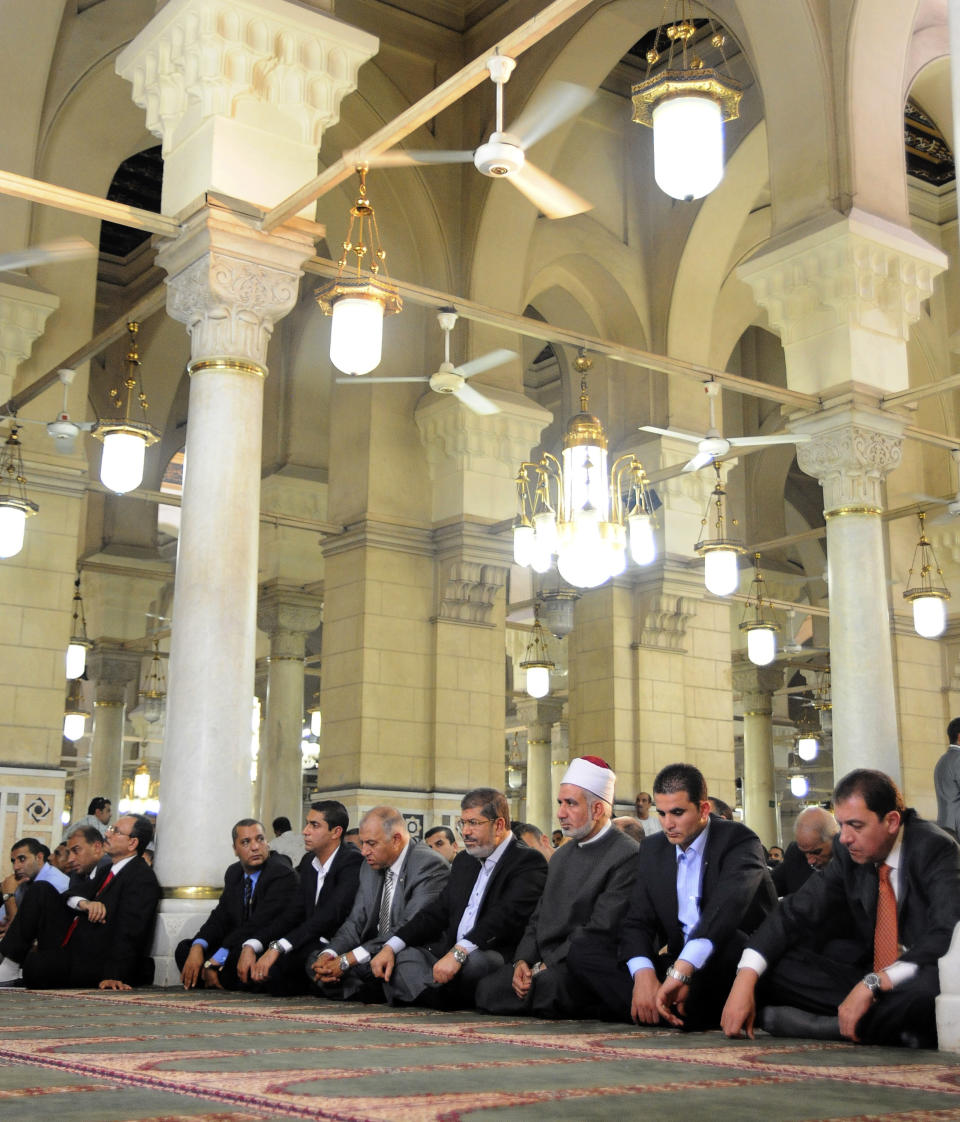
x=684, y=929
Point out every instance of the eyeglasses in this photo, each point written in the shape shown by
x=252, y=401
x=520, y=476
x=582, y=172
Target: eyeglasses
x=473, y=823
x=114, y=830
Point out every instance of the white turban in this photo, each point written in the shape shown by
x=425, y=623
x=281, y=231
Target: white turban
x=593, y=775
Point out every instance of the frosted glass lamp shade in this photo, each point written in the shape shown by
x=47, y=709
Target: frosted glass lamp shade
x=523, y=544
x=315, y=722
x=929, y=616
x=687, y=146
x=761, y=645
x=582, y=559
x=121, y=464
x=808, y=747
x=356, y=334
x=13, y=520
x=721, y=573
x=538, y=681
x=141, y=784
x=643, y=545
x=799, y=786
x=76, y=660
x=73, y=725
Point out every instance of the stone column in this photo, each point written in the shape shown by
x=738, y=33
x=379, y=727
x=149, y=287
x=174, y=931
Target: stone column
x=240, y=93
x=111, y=669
x=287, y=616
x=757, y=685
x=540, y=715
x=559, y=755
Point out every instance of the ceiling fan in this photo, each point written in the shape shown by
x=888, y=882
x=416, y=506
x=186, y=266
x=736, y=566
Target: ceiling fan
x=64, y=430
x=452, y=379
x=713, y=446
x=48, y=253
x=503, y=156
x=791, y=644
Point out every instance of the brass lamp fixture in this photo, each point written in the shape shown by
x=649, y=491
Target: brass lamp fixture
x=154, y=693
x=125, y=440
x=929, y=600
x=358, y=299
x=76, y=658
x=760, y=629
x=720, y=569
x=686, y=105
x=577, y=510
x=537, y=661
x=15, y=507
x=75, y=714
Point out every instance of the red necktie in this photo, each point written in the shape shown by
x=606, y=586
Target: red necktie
x=76, y=919
x=885, y=942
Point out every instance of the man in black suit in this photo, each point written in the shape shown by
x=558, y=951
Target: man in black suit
x=701, y=884
x=814, y=830
x=98, y=932
x=397, y=880
x=329, y=873
x=474, y=925
x=258, y=888
x=893, y=890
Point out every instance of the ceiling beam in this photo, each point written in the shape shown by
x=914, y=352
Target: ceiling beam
x=949, y=383
x=446, y=94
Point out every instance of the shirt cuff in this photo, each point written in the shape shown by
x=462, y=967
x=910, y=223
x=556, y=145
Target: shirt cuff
x=255, y=945
x=466, y=945
x=752, y=960
x=395, y=943
x=287, y=945
x=328, y=951
x=696, y=952
x=74, y=902
x=199, y=943
x=900, y=972
x=220, y=956
x=638, y=963
x=361, y=954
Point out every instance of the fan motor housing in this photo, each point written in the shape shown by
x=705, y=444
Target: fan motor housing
x=499, y=157
x=446, y=381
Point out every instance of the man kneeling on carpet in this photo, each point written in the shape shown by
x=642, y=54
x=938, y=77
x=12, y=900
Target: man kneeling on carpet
x=892, y=892
x=98, y=932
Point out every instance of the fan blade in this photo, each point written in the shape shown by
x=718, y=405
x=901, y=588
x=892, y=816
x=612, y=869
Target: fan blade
x=555, y=103
x=701, y=459
x=932, y=499
x=548, y=194
x=941, y=519
x=475, y=401
x=777, y=438
x=63, y=249
x=484, y=362
x=402, y=158
x=361, y=380
x=677, y=435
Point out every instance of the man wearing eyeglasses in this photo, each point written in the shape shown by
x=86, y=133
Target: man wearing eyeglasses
x=98, y=933
x=815, y=830
x=472, y=928
x=397, y=880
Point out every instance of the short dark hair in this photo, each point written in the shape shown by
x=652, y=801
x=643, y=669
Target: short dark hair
x=91, y=834
x=142, y=831
x=492, y=803
x=98, y=803
x=681, y=777
x=281, y=825
x=352, y=832
x=33, y=845
x=244, y=822
x=521, y=828
x=334, y=813
x=718, y=806
x=445, y=830
x=953, y=730
x=877, y=790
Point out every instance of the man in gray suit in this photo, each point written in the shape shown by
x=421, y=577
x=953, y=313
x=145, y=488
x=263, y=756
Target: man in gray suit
x=946, y=782
x=397, y=881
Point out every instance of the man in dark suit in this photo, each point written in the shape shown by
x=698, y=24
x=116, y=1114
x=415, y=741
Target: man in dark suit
x=893, y=889
x=946, y=782
x=397, y=881
x=701, y=884
x=98, y=932
x=474, y=925
x=258, y=888
x=329, y=874
x=814, y=830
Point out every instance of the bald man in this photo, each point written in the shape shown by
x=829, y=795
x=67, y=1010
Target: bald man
x=814, y=830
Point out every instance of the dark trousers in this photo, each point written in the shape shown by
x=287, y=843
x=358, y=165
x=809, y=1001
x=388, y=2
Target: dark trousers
x=228, y=972
x=554, y=992
x=42, y=918
x=818, y=983
x=412, y=980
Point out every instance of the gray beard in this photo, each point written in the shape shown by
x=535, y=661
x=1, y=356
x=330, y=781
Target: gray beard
x=481, y=852
x=577, y=832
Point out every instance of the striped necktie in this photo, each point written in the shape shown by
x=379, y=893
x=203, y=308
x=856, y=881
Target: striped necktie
x=386, y=899
x=247, y=896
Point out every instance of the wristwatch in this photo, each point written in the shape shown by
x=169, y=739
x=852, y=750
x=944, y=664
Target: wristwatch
x=873, y=982
x=344, y=964
x=459, y=954
x=274, y=945
x=211, y=965
x=672, y=972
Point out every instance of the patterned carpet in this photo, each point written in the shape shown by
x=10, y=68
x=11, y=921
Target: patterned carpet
x=163, y=1055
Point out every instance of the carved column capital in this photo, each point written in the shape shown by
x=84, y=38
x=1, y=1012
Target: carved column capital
x=850, y=454
x=539, y=714
x=288, y=615
x=757, y=684
x=112, y=669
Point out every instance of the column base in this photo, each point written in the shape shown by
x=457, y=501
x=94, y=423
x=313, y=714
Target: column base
x=176, y=920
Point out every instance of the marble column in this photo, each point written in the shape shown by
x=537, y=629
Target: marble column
x=287, y=615
x=559, y=755
x=111, y=669
x=757, y=685
x=540, y=715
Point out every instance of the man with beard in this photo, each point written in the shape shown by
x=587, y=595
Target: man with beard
x=438, y=957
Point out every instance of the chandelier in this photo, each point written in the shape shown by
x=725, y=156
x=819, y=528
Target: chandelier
x=577, y=510
x=15, y=507
x=686, y=105
x=75, y=713
x=761, y=630
x=125, y=440
x=358, y=300
x=929, y=600
x=76, y=658
x=154, y=693
x=536, y=661
x=721, y=574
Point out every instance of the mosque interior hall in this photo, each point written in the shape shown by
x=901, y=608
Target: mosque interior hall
x=404, y=397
